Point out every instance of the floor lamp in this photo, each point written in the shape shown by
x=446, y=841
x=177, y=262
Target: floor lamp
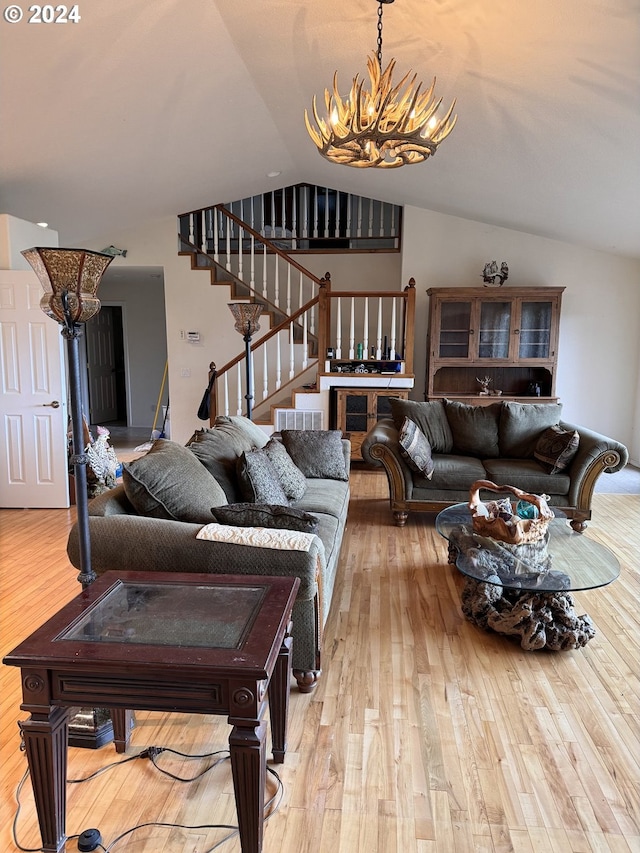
x=246, y=316
x=70, y=279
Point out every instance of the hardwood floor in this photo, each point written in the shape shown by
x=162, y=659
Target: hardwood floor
x=425, y=734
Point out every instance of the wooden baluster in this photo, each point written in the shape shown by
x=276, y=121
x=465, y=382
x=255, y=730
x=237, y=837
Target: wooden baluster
x=339, y=328
x=289, y=289
x=392, y=349
x=228, y=224
x=192, y=228
x=278, y=362
x=276, y=296
x=292, y=353
x=294, y=221
x=252, y=250
x=349, y=201
x=382, y=206
x=300, y=291
x=262, y=226
x=226, y=393
x=336, y=232
x=283, y=224
x=240, y=251
x=202, y=218
x=239, y=388
x=326, y=211
x=315, y=212
x=393, y=220
x=264, y=270
x=359, y=227
x=216, y=235
x=305, y=342
x=365, y=329
x=370, y=231
x=379, y=332
x=265, y=373
x=273, y=215
x=352, y=328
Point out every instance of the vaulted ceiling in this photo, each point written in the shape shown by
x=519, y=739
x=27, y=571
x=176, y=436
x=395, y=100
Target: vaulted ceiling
x=146, y=109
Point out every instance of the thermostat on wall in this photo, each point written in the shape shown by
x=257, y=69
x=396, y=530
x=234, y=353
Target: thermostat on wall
x=193, y=336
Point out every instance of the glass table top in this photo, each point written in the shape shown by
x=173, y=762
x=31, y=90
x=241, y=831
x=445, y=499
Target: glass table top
x=177, y=615
x=564, y=561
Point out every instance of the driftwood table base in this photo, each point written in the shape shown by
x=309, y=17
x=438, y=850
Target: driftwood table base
x=541, y=620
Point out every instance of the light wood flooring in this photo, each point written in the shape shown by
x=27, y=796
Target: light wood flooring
x=425, y=734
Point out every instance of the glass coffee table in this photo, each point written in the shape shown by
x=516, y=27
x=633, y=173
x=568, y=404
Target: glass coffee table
x=194, y=643
x=525, y=590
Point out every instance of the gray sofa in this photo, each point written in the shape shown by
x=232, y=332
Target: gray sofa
x=150, y=521
x=504, y=442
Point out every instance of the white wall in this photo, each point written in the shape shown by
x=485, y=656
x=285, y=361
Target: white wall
x=599, y=356
x=18, y=234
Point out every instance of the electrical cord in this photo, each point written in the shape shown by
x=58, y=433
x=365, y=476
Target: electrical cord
x=271, y=806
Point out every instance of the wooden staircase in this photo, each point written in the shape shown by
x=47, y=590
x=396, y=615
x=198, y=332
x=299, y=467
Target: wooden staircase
x=288, y=358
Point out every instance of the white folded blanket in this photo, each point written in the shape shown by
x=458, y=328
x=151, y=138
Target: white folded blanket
x=259, y=537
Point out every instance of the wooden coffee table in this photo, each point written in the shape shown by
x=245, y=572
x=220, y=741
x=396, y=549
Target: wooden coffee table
x=202, y=644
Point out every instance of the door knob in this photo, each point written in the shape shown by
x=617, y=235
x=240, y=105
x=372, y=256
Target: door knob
x=54, y=404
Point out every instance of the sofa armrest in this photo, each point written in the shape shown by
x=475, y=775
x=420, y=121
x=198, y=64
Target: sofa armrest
x=597, y=454
x=137, y=543
x=380, y=447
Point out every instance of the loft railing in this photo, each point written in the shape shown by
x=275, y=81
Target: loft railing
x=381, y=321
x=301, y=218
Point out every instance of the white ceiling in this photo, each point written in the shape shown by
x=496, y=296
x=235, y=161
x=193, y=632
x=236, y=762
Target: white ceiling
x=148, y=109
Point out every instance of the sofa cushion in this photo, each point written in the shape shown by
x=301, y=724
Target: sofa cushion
x=556, y=448
x=169, y=482
x=429, y=416
x=258, y=479
x=317, y=453
x=451, y=473
x=415, y=448
x=218, y=449
x=474, y=428
x=274, y=516
x=256, y=436
x=521, y=425
x=528, y=475
x=292, y=480
x=329, y=497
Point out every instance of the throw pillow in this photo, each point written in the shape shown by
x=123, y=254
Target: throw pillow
x=266, y=515
x=317, y=453
x=415, y=448
x=218, y=450
x=169, y=482
x=258, y=479
x=291, y=477
x=474, y=428
x=429, y=416
x=556, y=448
x=521, y=425
x=256, y=436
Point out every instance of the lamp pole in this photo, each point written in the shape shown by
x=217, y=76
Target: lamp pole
x=249, y=372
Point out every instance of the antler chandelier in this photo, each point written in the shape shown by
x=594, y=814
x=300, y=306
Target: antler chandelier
x=386, y=127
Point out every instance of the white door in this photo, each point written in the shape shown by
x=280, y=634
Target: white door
x=33, y=405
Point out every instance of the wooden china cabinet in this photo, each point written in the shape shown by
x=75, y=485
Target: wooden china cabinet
x=509, y=335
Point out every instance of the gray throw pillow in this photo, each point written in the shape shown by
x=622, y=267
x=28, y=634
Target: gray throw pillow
x=233, y=423
x=169, y=482
x=556, y=448
x=474, y=428
x=218, y=449
x=317, y=453
x=429, y=416
x=272, y=516
x=258, y=479
x=415, y=448
x=521, y=425
x=292, y=480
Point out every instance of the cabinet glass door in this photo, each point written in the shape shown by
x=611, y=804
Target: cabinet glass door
x=356, y=408
x=495, y=330
x=535, y=329
x=455, y=323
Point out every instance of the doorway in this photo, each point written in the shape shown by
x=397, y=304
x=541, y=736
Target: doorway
x=107, y=391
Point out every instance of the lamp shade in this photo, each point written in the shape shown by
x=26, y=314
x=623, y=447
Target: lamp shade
x=68, y=276
x=246, y=316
